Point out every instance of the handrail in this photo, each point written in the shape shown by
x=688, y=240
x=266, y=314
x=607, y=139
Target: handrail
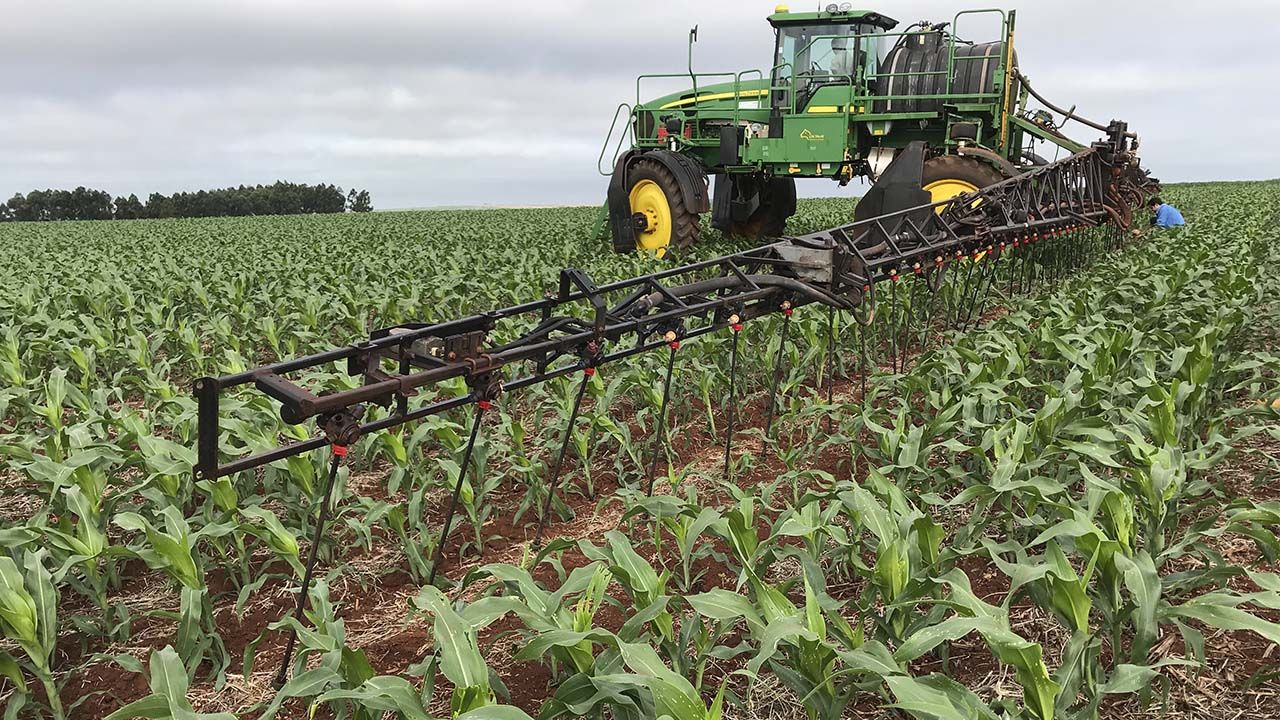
x=787, y=79
x=737, y=92
x=952, y=63
x=679, y=75
x=621, y=136
x=955, y=28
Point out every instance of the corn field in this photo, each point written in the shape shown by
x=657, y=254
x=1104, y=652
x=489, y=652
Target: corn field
x=1066, y=508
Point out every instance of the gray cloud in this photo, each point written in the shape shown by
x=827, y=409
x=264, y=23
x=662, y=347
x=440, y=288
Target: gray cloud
x=432, y=103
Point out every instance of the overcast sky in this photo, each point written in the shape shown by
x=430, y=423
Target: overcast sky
x=428, y=103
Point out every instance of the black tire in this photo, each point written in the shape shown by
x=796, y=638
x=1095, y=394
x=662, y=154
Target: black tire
x=1032, y=159
x=770, y=219
x=684, y=224
x=954, y=167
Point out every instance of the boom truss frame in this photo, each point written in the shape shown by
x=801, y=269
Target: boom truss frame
x=584, y=325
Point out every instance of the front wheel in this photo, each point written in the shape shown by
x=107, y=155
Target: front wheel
x=659, y=209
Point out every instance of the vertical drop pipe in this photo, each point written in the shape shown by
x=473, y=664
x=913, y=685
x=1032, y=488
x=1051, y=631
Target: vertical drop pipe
x=339, y=452
x=481, y=407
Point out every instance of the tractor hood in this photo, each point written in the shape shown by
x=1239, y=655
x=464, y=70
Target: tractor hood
x=723, y=94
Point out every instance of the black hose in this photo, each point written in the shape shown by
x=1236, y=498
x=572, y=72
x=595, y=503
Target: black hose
x=542, y=330
x=702, y=287
x=1006, y=167
x=1069, y=114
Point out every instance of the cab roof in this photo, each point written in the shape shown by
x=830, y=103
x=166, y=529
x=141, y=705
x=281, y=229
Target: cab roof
x=780, y=19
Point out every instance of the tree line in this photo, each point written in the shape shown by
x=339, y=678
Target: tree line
x=280, y=198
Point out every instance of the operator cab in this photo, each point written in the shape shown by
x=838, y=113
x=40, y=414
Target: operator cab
x=837, y=46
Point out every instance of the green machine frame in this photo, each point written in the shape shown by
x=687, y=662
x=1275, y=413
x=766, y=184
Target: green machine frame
x=809, y=122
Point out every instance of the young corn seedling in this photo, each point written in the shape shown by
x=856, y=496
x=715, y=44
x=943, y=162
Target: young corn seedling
x=173, y=550
x=264, y=525
x=29, y=617
x=560, y=625
x=459, y=655
x=645, y=587
x=1039, y=690
x=684, y=522
x=167, y=680
x=323, y=661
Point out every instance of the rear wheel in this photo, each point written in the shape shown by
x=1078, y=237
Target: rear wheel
x=655, y=197
x=946, y=176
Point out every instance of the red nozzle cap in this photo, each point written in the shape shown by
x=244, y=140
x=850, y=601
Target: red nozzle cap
x=484, y=405
x=787, y=312
x=737, y=327
x=675, y=344
x=340, y=450
x=588, y=371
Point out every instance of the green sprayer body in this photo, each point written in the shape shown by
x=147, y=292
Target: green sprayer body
x=844, y=93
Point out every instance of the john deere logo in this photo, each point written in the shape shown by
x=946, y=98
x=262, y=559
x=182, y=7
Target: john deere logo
x=806, y=135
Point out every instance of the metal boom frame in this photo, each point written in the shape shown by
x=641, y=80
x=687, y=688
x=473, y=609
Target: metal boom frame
x=584, y=325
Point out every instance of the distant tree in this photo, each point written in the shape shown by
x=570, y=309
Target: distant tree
x=85, y=204
x=42, y=205
x=359, y=201
x=129, y=208
x=328, y=199
x=19, y=208
x=158, y=206
x=52, y=204
x=279, y=198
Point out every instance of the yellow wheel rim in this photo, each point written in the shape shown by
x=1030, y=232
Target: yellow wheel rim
x=648, y=199
x=948, y=188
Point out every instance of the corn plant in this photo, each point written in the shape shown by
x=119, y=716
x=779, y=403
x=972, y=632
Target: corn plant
x=1071, y=444
x=684, y=522
x=172, y=549
x=167, y=680
x=458, y=653
x=333, y=665
x=29, y=617
x=560, y=623
x=264, y=525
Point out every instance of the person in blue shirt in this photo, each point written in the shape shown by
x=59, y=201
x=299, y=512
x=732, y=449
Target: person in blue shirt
x=1166, y=215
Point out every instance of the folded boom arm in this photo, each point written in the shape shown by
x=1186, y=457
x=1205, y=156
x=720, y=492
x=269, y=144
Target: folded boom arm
x=584, y=325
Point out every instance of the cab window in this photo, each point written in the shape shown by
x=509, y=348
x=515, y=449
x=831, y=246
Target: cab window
x=812, y=55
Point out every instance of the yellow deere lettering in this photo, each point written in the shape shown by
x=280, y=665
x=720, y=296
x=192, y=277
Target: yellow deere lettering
x=812, y=136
